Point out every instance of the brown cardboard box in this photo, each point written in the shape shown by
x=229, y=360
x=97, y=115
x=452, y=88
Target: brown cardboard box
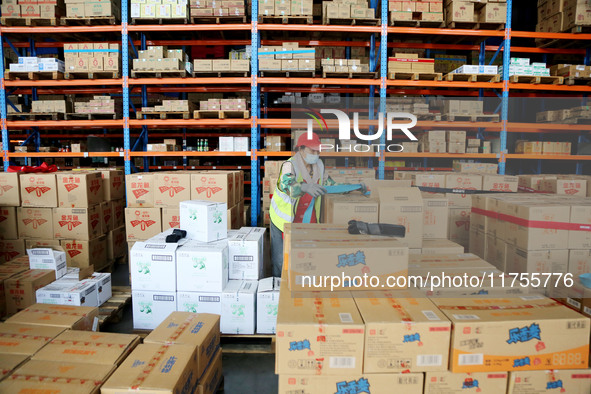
x=266, y=64
x=215, y=186
x=11, y=249
x=20, y=289
x=8, y=223
x=53, y=377
x=77, y=223
x=408, y=383
x=500, y=183
x=274, y=143
x=170, y=188
x=25, y=339
x=221, y=65
x=35, y=222
x=497, y=13
x=477, y=243
x=38, y=190
x=204, y=65
x=404, y=328
x=110, y=63
x=569, y=187
x=539, y=382
x=459, y=11
x=336, y=349
x=441, y=246
x=528, y=261
x=196, y=330
x=463, y=181
x=142, y=223
x=13, y=10
x=85, y=253
x=459, y=225
x=234, y=220
x=118, y=213
x=428, y=180
x=340, y=209
x=73, y=317
x=10, y=362
x=403, y=206
x=116, y=243
x=239, y=65
x=177, y=371
x=10, y=194
x=140, y=190
x=113, y=184
x=170, y=218
x=7, y=271
x=107, y=222
x=435, y=215
x=211, y=379
x=496, y=252
x=459, y=383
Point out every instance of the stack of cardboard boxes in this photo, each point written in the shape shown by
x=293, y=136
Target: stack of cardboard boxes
x=450, y=141
x=543, y=147
x=410, y=63
x=459, y=11
x=51, y=106
x=233, y=144
x=555, y=16
x=160, y=9
x=92, y=57
x=523, y=66
x=427, y=11
x=571, y=70
x=172, y=106
x=216, y=8
x=476, y=69
x=275, y=143
x=37, y=64
x=343, y=66
x=48, y=9
x=285, y=8
x=570, y=185
x=92, y=9
x=96, y=105
x=568, y=115
x=213, y=104
x=221, y=65
x=287, y=57
x=159, y=58
x=346, y=9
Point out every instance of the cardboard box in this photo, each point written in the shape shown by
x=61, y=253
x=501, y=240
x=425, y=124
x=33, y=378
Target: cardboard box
x=20, y=289
x=116, y=243
x=10, y=362
x=171, y=188
x=568, y=380
x=195, y=330
x=456, y=383
x=441, y=246
x=541, y=261
x=35, y=222
x=532, y=329
x=435, y=216
x=150, y=308
x=204, y=221
x=77, y=223
x=72, y=317
x=202, y=267
x=69, y=293
x=245, y=251
x=118, y=210
x=103, y=286
x=48, y=259
x=463, y=181
x=38, y=190
x=142, y=223
x=11, y=249
x=221, y=65
x=113, y=184
x=411, y=333
x=579, y=262
x=340, y=209
x=570, y=187
x=140, y=190
x=403, y=206
x=204, y=65
x=170, y=218
x=199, y=302
x=238, y=307
x=26, y=339
x=267, y=303
x=82, y=254
x=500, y=183
x=215, y=186
x=10, y=193
x=408, y=383
x=153, y=266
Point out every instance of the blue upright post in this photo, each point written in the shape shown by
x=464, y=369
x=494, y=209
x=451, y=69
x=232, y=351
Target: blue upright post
x=383, y=77
x=5, y=141
x=255, y=201
x=505, y=104
x=125, y=73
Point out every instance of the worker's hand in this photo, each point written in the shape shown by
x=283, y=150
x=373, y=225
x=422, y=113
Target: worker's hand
x=313, y=189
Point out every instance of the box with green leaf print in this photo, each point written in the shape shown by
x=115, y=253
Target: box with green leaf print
x=204, y=221
x=202, y=266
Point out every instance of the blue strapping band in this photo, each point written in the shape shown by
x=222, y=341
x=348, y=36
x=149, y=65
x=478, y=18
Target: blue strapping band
x=334, y=189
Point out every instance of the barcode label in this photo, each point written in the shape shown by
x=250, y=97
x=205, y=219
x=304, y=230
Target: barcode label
x=471, y=359
x=209, y=299
x=466, y=317
x=431, y=315
x=587, y=310
x=346, y=318
x=429, y=360
x=342, y=362
x=573, y=303
x=47, y=261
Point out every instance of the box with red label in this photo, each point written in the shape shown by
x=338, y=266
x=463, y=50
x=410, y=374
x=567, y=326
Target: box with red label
x=82, y=254
x=77, y=223
x=35, y=222
x=142, y=223
x=106, y=208
x=10, y=194
x=113, y=184
x=217, y=186
x=170, y=188
x=463, y=181
x=553, y=381
x=11, y=249
x=116, y=243
x=500, y=183
x=140, y=190
x=569, y=187
x=41, y=243
x=8, y=223
x=118, y=213
x=79, y=189
x=38, y=190
x=170, y=218
x=20, y=289
x=459, y=383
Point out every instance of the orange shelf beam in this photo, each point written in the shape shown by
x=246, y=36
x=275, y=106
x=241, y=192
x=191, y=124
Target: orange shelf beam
x=190, y=122
x=65, y=154
x=443, y=155
x=190, y=81
x=444, y=32
x=548, y=157
x=331, y=28
x=98, y=123
x=192, y=27
x=63, y=82
x=550, y=36
x=59, y=29
x=187, y=153
x=548, y=87
x=317, y=81
x=446, y=84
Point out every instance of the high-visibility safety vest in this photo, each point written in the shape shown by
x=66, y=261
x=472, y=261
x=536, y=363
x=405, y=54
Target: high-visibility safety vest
x=283, y=206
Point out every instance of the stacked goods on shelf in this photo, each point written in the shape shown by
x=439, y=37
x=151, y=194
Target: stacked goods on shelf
x=433, y=142
x=543, y=147
x=96, y=105
x=286, y=8
x=275, y=143
x=568, y=116
x=555, y=16
x=407, y=104
x=450, y=141
x=160, y=58
x=447, y=63
x=37, y=64
x=343, y=66
x=233, y=144
x=458, y=11
x=167, y=145
x=579, y=185
x=172, y=106
x=92, y=9
x=522, y=66
x=51, y=106
x=346, y=9
x=426, y=11
x=78, y=288
x=213, y=104
x=476, y=145
x=468, y=69
x=221, y=65
x=92, y=57
x=216, y=8
x=571, y=70
x=32, y=10
x=410, y=63
x=160, y=9
x=287, y=57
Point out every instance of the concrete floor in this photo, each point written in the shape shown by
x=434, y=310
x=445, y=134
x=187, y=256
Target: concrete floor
x=243, y=373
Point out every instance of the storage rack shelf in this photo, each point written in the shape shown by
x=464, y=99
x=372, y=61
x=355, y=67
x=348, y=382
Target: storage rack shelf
x=433, y=39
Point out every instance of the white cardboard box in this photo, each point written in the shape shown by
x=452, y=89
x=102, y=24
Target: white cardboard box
x=153, y=266
x=199, y=302
x=238, y=307
x=204, y=221
x=69, y=293
x=246, y=253
x=104, y=286
x=267, y=301
x=226, y=144
x=150, y=308
x=241, y=144
x=202, y=266
x=48, y=259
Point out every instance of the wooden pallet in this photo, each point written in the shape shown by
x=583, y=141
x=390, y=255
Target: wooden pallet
x=26, y=21
x=470, y=118
x=112, y=310
x=576, y=81
x=292, y=20
x=472, y=77
x=164, y=115
x=352, y=21
x=33, y=75
x=476, y=25
x=219, y=74
x=159, y=21
x=217, y=19
x=159, y=74
x=89, y=21
x=416, y=23
x=430, y=116
x=90, y=116
x=91, y=75
x=37, y=116
x=212, y=114
x=580, y=29
x=350, y=75
x=576, y=120
x=289, y=74
x=415, y=76
x=553, y=80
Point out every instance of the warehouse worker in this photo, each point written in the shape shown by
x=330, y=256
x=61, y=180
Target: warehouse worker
x=298, y=194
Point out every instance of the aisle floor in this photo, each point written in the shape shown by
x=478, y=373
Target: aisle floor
x=243, y=373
